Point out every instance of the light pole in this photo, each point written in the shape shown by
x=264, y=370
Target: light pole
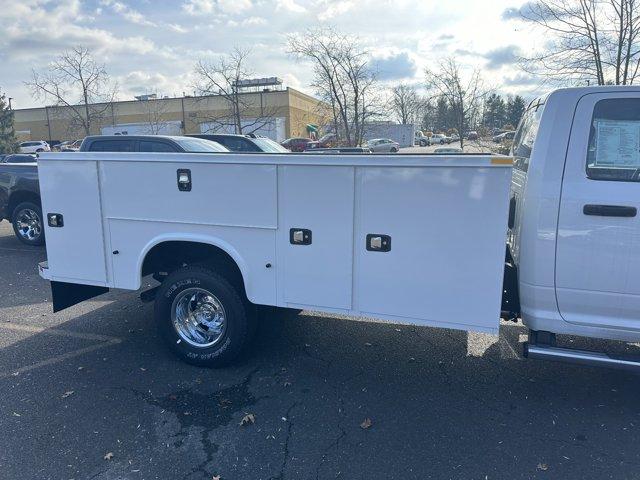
x=10, y=102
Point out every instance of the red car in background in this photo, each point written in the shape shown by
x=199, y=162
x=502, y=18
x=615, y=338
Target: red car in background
x=296, y=144
x=326, y=141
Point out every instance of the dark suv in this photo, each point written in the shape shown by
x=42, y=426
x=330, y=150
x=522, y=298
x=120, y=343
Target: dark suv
x=149, y=143
x=243, y=143
x=18, y=158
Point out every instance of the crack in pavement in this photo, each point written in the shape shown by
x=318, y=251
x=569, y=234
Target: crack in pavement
x=285, y=457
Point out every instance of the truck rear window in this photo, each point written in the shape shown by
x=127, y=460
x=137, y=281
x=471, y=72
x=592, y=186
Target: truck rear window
x=614, y=140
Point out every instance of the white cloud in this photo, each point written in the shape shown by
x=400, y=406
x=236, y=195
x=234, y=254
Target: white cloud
x=248, y=22
x=334, y=8
x=205, y=7
x=234, y=6
x=198, y=7
x=177, y=28
x=128, y=13
x=289, y=5
x=139, y=82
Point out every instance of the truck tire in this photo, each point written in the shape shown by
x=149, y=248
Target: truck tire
x=423, y=143
x=202, y=317
x=27, y=223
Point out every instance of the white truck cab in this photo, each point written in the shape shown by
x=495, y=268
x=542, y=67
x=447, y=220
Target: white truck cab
x=400, y=237
x=574, y=232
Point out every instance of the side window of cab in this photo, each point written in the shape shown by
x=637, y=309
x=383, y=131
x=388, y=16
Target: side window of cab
x=613, y=151
x=111, y=146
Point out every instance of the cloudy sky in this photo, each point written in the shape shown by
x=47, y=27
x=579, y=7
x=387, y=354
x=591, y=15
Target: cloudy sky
x=151, y=46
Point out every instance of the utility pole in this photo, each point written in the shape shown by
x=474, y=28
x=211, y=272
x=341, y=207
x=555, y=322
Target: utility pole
x=10, y=102
x=46, y=109
x=184, y=120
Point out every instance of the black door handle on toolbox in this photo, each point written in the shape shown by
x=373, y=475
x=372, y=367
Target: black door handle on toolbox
x=610, y=210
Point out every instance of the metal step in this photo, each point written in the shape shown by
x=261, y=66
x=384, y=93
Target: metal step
x=581, y=357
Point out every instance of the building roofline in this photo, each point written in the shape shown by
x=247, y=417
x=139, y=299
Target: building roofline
x=304, y=95
x=287, y=90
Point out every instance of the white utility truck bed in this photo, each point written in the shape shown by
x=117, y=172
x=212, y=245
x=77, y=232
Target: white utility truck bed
x=442, y=219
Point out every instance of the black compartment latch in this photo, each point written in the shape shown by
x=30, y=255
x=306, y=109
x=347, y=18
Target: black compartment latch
x=184, y=179
x=300, y=236
x=377, y=242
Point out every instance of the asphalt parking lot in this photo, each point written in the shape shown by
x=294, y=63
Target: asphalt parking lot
x=91, y=393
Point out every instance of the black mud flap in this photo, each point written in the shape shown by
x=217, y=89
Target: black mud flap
x=66, y=295
x=510, y=292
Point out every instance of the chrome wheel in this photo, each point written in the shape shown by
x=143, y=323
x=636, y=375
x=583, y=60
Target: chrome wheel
x=198, y=317
x=28, y=224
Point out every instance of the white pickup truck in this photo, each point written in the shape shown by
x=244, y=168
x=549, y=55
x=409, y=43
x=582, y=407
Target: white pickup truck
x=406, y=238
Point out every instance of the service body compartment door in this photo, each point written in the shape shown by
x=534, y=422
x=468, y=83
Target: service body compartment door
x=447, y=230
x=316, y=271
x=75, y=250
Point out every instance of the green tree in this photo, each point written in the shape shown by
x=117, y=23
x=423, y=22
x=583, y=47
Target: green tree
x=443, y=115
x=514, y=109
x=494, y=111
x=8, y=142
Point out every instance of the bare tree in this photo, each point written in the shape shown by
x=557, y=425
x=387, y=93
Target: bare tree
x=463, y=94
x=76, y=82
x=155, y=111
x=342, y=77
x=223, y=77
x=590, y=41
x=406, y=104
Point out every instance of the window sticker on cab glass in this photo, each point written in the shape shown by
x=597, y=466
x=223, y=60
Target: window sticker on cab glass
x=617, y=143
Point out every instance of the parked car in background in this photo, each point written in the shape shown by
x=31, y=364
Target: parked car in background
x=326, y=141
x=243, y=143
x=439, y=139
x=149, y=143
x=420, y=139
x=68, y=146
x=20, y=197
x=18, y=158
x=340, y=150
x=34, y=147
x=296, y=144
x=380, y=145
x=74, y=147
x=472, y=135
x=448, y=150
x=503, y=137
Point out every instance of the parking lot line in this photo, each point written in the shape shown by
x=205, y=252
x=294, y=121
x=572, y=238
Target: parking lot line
x=105, y=341
x=55, y=331
x=8, y=249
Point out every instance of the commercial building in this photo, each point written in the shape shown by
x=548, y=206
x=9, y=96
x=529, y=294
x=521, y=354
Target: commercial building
x=277, y=113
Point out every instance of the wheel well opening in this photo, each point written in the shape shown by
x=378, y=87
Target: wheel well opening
x=171, y=255
x=17, y=198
